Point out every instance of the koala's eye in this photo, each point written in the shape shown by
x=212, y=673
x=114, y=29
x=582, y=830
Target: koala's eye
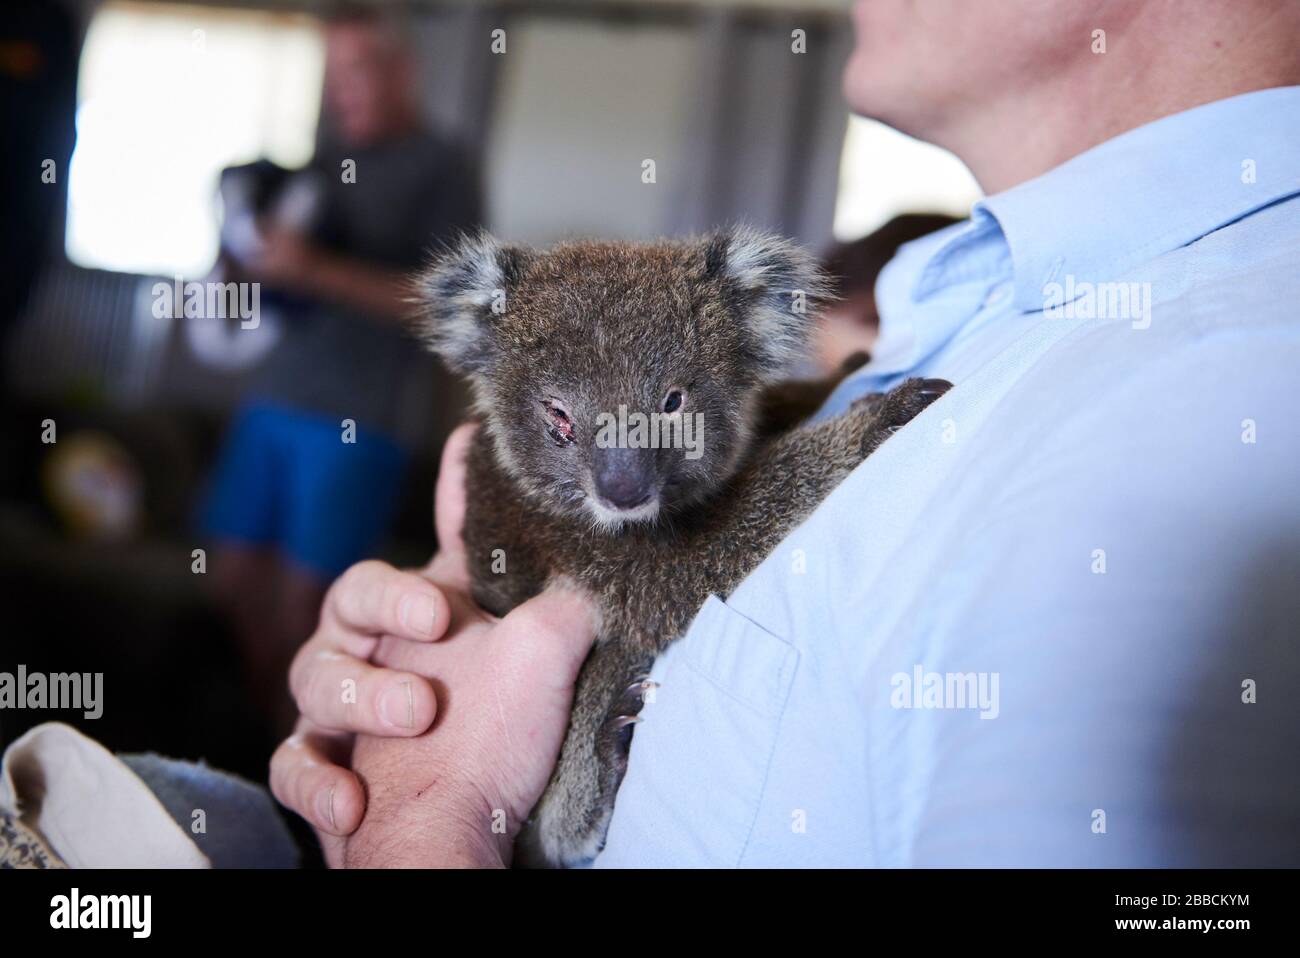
x=674, y=400
x=560, y=428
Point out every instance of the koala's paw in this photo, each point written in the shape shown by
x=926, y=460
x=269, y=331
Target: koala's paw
x=563, y=831
x=568, y=825
x=904, y=402
x=896, y=408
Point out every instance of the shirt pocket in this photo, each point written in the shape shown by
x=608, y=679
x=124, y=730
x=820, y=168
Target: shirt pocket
x=701, y=754
x=740, y=658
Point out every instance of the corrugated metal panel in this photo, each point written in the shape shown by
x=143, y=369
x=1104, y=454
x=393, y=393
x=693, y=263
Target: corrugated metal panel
x=87, y=332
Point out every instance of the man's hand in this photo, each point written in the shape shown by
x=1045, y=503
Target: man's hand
x=459, y=794
x=503, y=694
x=290, y=260
x=286, y=258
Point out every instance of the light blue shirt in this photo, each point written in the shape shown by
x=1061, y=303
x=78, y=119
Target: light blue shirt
x=1054, y=620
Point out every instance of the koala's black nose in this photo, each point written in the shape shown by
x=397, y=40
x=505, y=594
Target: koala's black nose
x=623, y=477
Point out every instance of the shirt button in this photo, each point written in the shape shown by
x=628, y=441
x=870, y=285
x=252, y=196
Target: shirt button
x=997, y=294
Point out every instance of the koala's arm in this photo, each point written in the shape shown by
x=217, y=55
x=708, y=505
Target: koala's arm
x=655, y=587
x=785, y=405
x=787, y=480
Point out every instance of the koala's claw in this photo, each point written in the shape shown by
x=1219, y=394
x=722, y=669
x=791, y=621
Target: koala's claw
x=932, y=388
x=895, y=409
x=620, y=731
x=904, y=402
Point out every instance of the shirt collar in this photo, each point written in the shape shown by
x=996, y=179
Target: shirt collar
x=1134, y=197
x=965, y=261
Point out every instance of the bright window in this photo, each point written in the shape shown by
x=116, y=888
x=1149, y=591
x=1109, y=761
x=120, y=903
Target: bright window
x=168, y=96
x=884, y=173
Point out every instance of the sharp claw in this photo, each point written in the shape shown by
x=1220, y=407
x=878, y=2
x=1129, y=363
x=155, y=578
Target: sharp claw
x=623, y=721
x=642, y=685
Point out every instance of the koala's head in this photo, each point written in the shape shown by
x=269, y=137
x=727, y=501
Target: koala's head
x=620, y=380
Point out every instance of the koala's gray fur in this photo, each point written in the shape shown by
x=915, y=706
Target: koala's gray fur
x=551, y=339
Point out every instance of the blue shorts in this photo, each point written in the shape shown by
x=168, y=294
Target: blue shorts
x=286, y=479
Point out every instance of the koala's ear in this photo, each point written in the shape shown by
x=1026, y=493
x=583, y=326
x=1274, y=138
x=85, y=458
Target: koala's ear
x=462, y=295
x=775, y=286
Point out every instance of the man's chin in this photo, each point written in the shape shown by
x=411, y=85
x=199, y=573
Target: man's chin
x=864, y=88
x=857, y=83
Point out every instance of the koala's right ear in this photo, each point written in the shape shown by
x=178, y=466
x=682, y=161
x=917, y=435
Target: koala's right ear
x=462, y=295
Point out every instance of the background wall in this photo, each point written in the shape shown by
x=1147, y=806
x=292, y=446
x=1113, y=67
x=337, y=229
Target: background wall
x=556, y=168
x=739, y=126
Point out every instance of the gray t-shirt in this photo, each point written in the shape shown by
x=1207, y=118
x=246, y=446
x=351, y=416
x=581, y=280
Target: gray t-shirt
x=410, y=195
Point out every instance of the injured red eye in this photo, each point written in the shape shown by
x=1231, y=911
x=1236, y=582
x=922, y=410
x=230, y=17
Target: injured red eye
x=561, y=427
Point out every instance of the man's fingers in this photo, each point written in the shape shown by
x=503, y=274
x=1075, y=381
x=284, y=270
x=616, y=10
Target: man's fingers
x=304, y=779
x=373, y=598
x=449, y=497
x=336, y=691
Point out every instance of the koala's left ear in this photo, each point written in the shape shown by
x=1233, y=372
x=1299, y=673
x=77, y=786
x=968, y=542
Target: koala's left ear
x=776, y=287
x=462, y=296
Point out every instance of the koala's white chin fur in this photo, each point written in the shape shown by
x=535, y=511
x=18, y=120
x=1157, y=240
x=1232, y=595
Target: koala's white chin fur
x=612, y=520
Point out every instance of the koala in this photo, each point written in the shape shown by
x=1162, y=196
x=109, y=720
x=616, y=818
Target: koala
x=559, y=343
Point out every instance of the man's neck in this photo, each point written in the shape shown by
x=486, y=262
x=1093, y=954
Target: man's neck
x=1144, y=75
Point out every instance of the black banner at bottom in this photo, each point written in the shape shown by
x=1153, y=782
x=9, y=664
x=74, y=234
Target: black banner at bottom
x=638, y=909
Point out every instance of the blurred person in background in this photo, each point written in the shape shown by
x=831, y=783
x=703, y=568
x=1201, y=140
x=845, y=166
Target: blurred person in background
x=294, y=500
